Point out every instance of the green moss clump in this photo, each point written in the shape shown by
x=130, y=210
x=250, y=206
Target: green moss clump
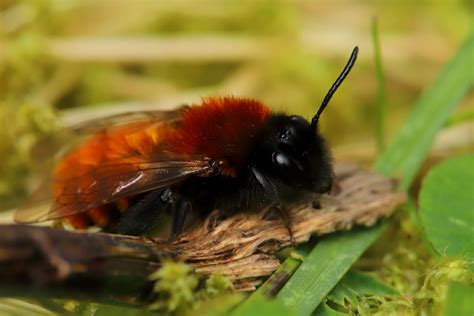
x=175, y=285
x=216, y=284
x=181, y=291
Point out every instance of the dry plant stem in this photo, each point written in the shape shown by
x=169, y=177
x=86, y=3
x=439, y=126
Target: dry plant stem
x=182, y=49
x=214, y=48
x=41, y=261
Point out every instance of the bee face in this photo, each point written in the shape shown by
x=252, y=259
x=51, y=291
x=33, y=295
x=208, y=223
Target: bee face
x=295, y=153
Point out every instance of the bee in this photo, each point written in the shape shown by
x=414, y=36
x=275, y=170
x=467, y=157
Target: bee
x=227, y=153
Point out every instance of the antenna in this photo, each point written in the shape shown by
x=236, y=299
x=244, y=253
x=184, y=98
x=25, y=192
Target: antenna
x=335, y=85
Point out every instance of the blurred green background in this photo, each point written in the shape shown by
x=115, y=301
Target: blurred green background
x=71, y=60
x=64, y=61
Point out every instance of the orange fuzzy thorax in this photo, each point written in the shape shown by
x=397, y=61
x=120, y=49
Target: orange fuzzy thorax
x=223, y=129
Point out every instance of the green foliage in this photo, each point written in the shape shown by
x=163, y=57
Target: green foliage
x=379, y=124
x=324, y=310
x=359, y=293
x=402, y=259
x=26, y=125
x=324, y=266
x=446, y=207
x=355, y=284
x=460, y=300
x=177, y=291
x=252, y=305
x=92, y=309
x=264, y=307
x=437, y=278
x=413, y=141
x=217, y=284
x=14, y=307
x=216, y=305
x=463, y=117
x=175, y=286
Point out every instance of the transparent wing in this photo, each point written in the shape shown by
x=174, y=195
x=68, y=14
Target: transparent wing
x=108, y=183
x=104, y=182
x=56, y=144
x=116, y=120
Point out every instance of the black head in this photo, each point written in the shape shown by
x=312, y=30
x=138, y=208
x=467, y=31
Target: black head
x=293, y=149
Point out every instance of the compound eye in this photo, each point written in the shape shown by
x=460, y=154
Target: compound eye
x=285, y=163
x=281, y=160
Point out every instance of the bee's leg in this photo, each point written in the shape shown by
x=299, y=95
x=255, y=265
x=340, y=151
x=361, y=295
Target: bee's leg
x=144, y=214
x=286, y=218
x=334, y=188
x=270, y=189
x=180, y=210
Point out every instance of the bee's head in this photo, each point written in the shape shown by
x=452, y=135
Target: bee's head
x=293, y=149
x=295, y=153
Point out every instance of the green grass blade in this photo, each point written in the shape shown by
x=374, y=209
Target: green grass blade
x=16, y=307
x=460, y=300
x=379, y=122
x=267, y=290
x=413, y=141
x=462, y=117
x=325, y=265
x=275, y=282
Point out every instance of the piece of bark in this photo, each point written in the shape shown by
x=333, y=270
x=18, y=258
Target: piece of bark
x=41, y=261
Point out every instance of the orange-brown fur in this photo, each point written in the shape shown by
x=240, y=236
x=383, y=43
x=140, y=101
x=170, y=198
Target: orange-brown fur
x=220, y=128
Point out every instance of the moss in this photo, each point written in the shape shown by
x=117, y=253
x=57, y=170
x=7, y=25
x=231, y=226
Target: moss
x=179, y=290
x=175, y=286
x=217, y=284
x=403, y=259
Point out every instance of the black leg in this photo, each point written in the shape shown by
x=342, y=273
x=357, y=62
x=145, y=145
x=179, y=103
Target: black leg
x=286, y=218
x=180, y=211
x=143, y=215
x=267, y=185
x=270, y=189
